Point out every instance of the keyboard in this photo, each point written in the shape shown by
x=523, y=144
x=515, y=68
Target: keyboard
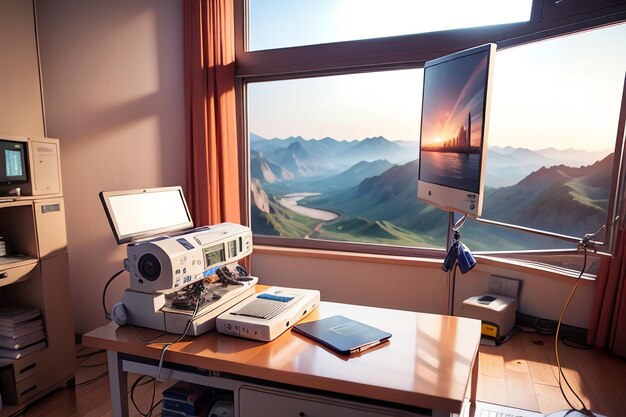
x=262, y=309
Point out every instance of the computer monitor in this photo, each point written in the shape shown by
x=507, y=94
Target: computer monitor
x=13, y=168
x=453, y=139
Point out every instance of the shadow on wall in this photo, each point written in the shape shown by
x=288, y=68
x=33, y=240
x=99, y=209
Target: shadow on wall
x=112, y=76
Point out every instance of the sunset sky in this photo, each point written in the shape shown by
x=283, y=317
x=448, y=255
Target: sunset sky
x=454, y=90
x=564, y=92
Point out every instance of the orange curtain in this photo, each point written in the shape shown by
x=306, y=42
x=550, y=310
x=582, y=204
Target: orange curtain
x=608, y=319
x=210, y=109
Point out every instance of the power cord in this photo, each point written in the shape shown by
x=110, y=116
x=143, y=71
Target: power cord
x=153, y=405
x=104, y=293
x=199, y=296
x=561, y=374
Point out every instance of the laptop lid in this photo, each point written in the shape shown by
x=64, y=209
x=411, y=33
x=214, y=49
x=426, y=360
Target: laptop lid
x=140, y=214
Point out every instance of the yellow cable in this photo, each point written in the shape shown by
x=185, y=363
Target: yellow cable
x=584, y=408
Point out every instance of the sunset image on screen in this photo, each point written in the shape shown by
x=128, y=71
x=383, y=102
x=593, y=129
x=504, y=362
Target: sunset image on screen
x=452, y=122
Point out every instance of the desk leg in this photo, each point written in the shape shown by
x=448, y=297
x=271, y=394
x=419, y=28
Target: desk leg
x=118, y=383
x=474, y=387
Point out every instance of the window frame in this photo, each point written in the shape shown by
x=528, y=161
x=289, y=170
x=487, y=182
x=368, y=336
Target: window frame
x=548, y=19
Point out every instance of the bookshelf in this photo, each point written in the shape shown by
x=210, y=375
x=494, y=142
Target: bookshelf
x=35, y=274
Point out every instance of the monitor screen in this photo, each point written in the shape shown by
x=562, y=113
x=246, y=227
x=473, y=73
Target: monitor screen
x=13, y=169
x=135, y=214
x=453, y=139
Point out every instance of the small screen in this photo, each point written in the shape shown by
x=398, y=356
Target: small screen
x=12, y=162
x=14, y=167
x=214, y=255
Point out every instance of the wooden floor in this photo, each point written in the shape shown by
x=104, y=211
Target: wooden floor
x=520, y=373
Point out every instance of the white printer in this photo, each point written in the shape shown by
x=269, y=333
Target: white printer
x=496, y=309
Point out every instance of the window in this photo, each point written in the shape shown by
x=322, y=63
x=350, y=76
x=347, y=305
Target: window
x=334, y=157
x=288, y=23
x=554, y=115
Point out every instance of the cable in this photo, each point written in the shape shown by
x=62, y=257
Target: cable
x=199, y=298
x=86, y=355
x=584, y=408
x=145, y=339
x=153, y=405
x=451, y=291
x=104, y=293
x=92, y=380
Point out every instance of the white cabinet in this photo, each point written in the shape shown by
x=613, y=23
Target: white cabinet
x=35, y=273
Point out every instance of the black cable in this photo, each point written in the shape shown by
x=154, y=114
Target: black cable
x=92, y=380
x=575, y=345
x=153, y=405
x=145, y=339
x=104, y=293
x=199, y=299
x=453, y=287
x=86, y=355
x=19, y=412
x=92, y=365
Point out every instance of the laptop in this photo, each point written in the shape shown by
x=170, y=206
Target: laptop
x=342, y=334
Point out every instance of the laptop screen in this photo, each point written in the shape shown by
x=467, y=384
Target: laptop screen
x=135, y=214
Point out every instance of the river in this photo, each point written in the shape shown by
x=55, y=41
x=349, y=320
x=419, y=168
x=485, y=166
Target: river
x=291, y=202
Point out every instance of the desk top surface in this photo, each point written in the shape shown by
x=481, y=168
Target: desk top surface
x=427, y=362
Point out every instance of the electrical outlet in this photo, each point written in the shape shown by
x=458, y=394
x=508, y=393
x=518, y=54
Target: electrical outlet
x=508, y=287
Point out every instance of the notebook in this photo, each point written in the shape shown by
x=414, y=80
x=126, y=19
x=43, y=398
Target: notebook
x=342, y=334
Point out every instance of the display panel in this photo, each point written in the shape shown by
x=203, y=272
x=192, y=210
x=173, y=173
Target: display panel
x=214, y=255
x=453, y=137
x=147, y=212
x=13, y=167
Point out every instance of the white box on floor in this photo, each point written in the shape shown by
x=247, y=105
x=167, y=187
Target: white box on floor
x=496, y=312
x=496, y=309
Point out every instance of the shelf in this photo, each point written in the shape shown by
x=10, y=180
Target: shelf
x=16, y=269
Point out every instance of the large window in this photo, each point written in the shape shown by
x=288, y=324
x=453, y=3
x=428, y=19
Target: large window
x=334, y=157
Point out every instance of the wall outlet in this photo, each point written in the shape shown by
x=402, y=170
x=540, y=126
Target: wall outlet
x=508, y=287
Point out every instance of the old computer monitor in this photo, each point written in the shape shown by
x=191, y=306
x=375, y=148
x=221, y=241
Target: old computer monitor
x=453, y=138
x=13, y=168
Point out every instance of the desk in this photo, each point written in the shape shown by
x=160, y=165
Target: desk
x=424, y=369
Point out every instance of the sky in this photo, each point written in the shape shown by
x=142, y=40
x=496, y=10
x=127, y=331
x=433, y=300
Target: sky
x=564, y=92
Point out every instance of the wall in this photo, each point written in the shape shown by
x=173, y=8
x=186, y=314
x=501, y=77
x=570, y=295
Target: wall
x=420, y=286
x=20, y=98
x=113, y=94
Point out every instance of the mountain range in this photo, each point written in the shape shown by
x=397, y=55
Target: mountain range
x=377, y=199
x=294, y=158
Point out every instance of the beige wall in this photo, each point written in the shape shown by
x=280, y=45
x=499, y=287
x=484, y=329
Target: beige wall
x=420, y=287
x=113, y=93
x=20, y=98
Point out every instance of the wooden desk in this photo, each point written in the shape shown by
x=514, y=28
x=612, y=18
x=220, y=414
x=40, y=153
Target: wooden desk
x=424, y=368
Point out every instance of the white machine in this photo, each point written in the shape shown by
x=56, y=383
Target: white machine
x=267, y=315
x=181, y=278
